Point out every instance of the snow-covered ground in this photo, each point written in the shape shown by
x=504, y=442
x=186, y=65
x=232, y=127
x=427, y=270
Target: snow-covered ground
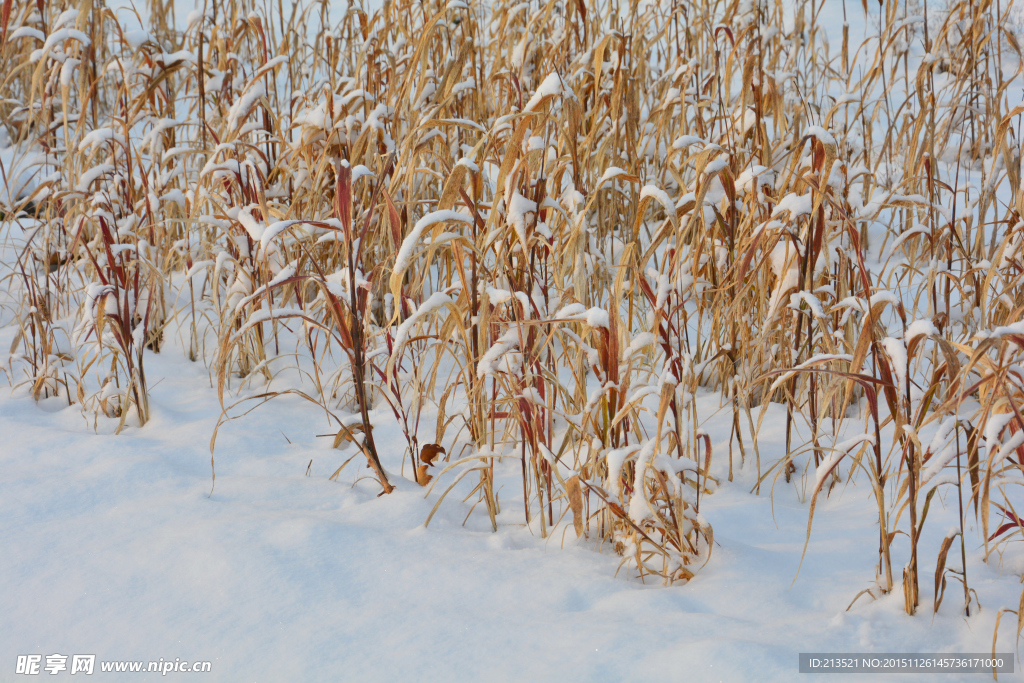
x=115, y=547
x=123, y=547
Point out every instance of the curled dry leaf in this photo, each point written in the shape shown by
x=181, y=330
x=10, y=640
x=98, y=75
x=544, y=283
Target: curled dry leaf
x=429, y=453
x=572, y=488
x=348, y=434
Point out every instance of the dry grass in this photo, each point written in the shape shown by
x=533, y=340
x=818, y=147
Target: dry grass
x=555, y=225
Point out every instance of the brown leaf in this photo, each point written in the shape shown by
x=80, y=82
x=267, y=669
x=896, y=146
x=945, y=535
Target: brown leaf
x=343, y=207
x=394, y=219
x=347, y=434
x=451, y=188
x=940, y=571
x=572, y=488
x=422, y=478
x=429, y=453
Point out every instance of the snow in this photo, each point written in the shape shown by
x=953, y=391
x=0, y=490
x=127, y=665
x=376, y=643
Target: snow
x=796, y=204
x=552, y=86
x=812, y=302
x=640, y=341
x=615, y=459
x=67, y=70
x=19, y=174
x=27, y=32
x=1016, y=328
x=919, y=328
x=936, y=464
x=610, y=173
x=897, y=352
x=100, y=136
x=1011, y=445
x=118, y=549
x=360, y=171
x=822, y=135
x=94, y=173
x=784, y=264
x=839, y=451
x=62, y=35
x=660, y=196
x=264, y=314
x=498, y=296
x=745, y=121
x=66, y=17
x=137, y=38
x=519, y=208
x=405, y=252
x=240, y=109
x=170, y=59
x=275, y=229
x=507, y=342
x=685, y=141
x=762, y=175
x=639, y=508
x=598, y=317
x=253, y=226
x=595, y=316
x=571, y=311
x=436, y=300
